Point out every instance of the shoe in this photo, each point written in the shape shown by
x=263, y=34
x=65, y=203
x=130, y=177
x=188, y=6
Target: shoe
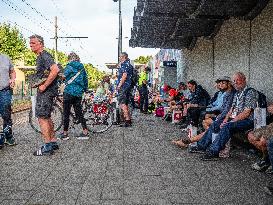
x=209, y=157
x=55, y=145
x=268, y=190
x=260, y=166
x=62, y=136
x=269, y=170
x=43, y=152
x=195, y=149
x=2, y=140
x=115, y=123
x=10, y=141
x=83, y=137
x=126, y=125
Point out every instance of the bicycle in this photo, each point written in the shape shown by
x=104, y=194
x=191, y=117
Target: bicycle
x=97, y=113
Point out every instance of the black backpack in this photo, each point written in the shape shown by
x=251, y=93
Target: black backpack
x=135, y=77
x=261, y=98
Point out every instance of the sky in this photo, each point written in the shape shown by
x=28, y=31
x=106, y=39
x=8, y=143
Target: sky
x=95, y=19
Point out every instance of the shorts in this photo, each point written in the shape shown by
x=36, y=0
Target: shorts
x=124, y=96
x=44, y=104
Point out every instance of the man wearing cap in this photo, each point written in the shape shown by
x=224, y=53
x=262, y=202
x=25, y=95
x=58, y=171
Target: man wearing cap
x=239, y=118
x=45, y=94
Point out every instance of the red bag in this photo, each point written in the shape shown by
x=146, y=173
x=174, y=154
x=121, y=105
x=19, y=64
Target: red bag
x=159, y=112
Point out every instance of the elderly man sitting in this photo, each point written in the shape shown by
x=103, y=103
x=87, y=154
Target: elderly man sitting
x=239, y=118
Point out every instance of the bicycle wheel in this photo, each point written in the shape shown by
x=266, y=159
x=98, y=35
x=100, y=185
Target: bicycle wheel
x=98, y=122
x=56, y=116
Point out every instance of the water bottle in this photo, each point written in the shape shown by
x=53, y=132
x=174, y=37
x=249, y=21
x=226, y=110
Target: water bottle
x=192, y=131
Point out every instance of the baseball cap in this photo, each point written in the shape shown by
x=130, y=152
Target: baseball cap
x=223, y=78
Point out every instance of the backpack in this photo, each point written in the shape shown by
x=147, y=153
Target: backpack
x=134, y=78
x=262, y=102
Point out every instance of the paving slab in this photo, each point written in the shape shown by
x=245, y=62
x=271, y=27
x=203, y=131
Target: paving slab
x=136, y=165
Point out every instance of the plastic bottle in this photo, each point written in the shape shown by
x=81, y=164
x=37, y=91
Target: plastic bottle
x=192, y=131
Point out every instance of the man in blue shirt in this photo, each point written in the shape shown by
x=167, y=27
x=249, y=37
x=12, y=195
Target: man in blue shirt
x=124, y=87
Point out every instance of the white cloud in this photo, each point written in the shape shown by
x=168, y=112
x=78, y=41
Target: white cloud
x=97, y=19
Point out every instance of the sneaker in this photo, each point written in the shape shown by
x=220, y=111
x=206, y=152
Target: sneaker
x=260, y=166
x=62, y=136
x=268, y=190
x=55, y=145
x=126, y=124
x=2, y=140
x=83, y=137
x=43, y=152
x=195, y=149
x=10, y=141
x=209, y=157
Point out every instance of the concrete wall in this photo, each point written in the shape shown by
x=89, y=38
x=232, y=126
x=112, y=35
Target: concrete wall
x=245, y=46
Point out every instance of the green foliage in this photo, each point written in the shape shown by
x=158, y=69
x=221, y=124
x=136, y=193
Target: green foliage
x=30, y=58
x=143, y=59
x=12, y=42
x=94, y=75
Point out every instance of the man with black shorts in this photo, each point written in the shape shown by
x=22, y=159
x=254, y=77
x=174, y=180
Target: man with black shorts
x=45, y=95
x=124, y=87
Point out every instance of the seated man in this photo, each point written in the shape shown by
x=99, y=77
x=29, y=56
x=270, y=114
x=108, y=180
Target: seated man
x=239, y=118
x=216, y=103
x=199, y=99
x=226, y=86
x=259, y=139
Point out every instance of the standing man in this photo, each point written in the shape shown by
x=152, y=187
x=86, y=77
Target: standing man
x=45, y=94
x=142, y=88
x=124, y=87
x=7, y=82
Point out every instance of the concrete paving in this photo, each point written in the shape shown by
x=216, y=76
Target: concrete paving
x=136, y=165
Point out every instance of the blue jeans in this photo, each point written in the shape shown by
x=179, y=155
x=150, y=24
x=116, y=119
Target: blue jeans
x=226, y=132
x=205, y=141
x=5, y=108
x=270, y=150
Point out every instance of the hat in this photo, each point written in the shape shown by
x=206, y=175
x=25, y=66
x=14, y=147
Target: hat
x=223, y=78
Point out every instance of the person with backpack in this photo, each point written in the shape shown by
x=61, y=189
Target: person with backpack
x=124, y=87
x=143, y=90
x=239, y=118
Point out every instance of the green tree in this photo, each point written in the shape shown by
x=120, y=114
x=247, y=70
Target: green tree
x=12, y=42
x=143, y=59
x=94, y=75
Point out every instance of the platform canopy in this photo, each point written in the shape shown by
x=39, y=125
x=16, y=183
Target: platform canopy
x=178, y=23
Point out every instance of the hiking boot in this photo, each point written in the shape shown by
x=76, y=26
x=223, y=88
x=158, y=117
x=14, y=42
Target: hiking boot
x=83, y=136
x=260, y=166
x=209, y=157
x=44, y=151
x=10, y=141
x=62, y=136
